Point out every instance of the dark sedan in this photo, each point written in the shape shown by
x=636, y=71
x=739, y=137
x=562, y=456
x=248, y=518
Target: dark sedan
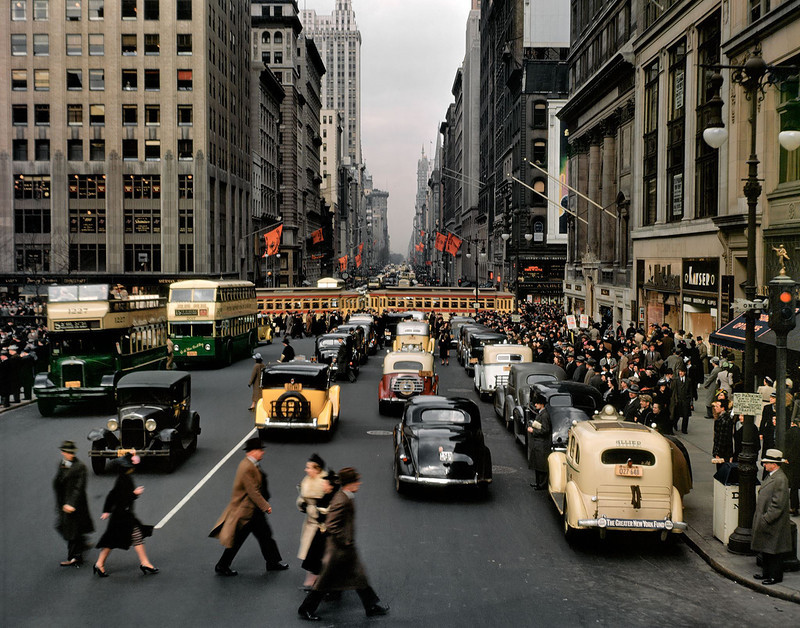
x=439, y=442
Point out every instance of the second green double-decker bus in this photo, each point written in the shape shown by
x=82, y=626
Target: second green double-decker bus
x=212, y=321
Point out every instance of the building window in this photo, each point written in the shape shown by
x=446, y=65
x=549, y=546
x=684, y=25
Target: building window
x=41, y=80
x=758, y=8
x=129, y=80
x=184, y=115
x=152, y=115
x=185, y=149
x=265, y=57
x=31, y=258
x=87, y=257
x=73, y=44
x=19, y=115
x=97, y=150
x=151, y=44
x=19, y=10
x=41, y=115
x=42, y=150
x=789, y=112
x=130, y=150
x=74, y=115
x=41, y=45
x=87, y=186
x=128, y=9
x=152, y=80
x=183, y=9
x=73, y=10
x=539, y=115
x=97, y=115
x=142, y=258
x=539, y=153
x=184, y=80
x=278, y=38
x=151, y=9
x=74, y=80
x=650, y=169
x=31, y=187
x=74, y=150
x=184, y=44
x=186, y=258
x=19, y=45
x=265, y=37
x=19, y=80
x=185, y=189
x=539, y=200
x=130, y=115
x=141, y=186
x=97, y=80
x=20, y=150
x=706, y=167
x=142, y=220
x=128, y=43
x=32, y=220
x=41, y=10
x=676, y=130
x=96, y=9
x=97, y=46
x=278, y=57
x=152, y=150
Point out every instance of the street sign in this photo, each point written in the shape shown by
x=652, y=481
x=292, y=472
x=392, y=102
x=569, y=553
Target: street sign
x=747, y=403
x=741, y=305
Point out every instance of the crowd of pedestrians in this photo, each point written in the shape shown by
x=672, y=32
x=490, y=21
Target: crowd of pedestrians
x=24, y=350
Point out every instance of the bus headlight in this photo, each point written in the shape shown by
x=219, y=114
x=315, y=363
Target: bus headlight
x=150, y=425
x=208, y=347
x=175, y=348
x=112, y=425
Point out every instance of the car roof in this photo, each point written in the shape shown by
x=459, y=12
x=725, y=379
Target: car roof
x=521, y=371
x=416, y=405
x=425, y=358
x=334, y=334
x=492, y=351
x=297, y=366
x=153, y=379
x=565, y=386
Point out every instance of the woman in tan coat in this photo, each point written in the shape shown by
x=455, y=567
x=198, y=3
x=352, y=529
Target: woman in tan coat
x=255, y=379
x=311, y=489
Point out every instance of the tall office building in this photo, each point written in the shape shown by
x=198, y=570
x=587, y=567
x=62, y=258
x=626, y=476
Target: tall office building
x=339, y=42
x=124, y=144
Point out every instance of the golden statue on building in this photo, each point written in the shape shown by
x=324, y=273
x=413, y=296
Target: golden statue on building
x=783, y=257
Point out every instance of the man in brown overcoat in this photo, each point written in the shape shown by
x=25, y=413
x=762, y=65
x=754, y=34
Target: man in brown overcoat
x=341, y=567
x=246, y=512
x=771, y=525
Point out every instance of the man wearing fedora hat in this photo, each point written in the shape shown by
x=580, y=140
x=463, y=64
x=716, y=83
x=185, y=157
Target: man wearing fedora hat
x=73, y=520
x=245, y=514
x=771, y=525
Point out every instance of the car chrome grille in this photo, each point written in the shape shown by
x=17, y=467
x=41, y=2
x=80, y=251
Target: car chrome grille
x=72, y=372
x=132, y=433
x=500, y=380
x=407, y=385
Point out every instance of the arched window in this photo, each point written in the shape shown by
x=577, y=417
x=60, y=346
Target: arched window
x=540, y=153
x=265, y=37
x=540, y=186
x=278, y=38
x=539, y=115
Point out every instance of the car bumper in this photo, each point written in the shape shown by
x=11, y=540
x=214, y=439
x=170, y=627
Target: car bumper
x=119, y=453
x=642, y=525
x=287, y=425
x=68, y=395
x=412, y=479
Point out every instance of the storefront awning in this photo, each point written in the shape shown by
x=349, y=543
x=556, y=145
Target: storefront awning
x=732, y=334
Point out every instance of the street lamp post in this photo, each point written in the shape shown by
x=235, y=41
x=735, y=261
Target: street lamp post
x=753, y=76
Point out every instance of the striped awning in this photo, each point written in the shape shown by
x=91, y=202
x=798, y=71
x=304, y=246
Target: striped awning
x=732, y=334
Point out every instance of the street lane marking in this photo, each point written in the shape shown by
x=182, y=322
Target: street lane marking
x=200, y=484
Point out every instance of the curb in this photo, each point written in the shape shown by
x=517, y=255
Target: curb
x=17, y=405
x=699, y=547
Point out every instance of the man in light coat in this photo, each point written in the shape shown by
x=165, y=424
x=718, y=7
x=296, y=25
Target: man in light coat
x=771, y=525
x=245, y=514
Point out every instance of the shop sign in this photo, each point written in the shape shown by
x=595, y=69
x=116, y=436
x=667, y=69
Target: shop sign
x=694, y=299
x=701, y=275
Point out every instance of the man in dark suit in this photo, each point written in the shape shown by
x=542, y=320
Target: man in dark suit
x=681, y=400
x=540, y=442
x=72, y=507
x=245, y=514
x=341, y=567
x=580, y=371
x=771, y=525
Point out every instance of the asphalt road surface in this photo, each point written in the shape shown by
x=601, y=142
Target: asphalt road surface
x=437, y=559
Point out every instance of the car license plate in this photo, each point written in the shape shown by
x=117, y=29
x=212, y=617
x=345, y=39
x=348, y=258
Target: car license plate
x=293, y=387
x=191, y=353
x=507, y=368
x=121, y=453
x=629, y=472
x=72, y=384
x=473, y=360
x=446, y=456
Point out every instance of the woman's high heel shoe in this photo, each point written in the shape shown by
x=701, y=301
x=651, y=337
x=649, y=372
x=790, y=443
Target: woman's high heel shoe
x=101, y=573
x=148, y=570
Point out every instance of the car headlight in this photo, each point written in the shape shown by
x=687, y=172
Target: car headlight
x=208, y=347
x=150, y=425
x=112, y=425
x=176, y=348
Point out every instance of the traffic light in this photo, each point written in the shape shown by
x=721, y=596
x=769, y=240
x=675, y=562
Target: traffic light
x=783, y=305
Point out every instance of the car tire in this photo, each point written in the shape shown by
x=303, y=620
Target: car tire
x=98, y=465
x=351, y=376
x=383, y=408
x=175, y=454
x=399, y=486
x=569, y=532
x=46, y=407
x=229, y=357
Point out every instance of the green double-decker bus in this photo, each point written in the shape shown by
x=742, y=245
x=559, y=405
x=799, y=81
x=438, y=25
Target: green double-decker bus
x=96, y=337
x=212, y=321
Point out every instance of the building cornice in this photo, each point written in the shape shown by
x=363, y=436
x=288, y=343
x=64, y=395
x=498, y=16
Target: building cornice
x=773, y=21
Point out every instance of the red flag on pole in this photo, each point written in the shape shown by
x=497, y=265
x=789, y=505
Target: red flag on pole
x=453, y=244
x=358, y=260
x=421, y=233
x=441, y=241
x=343, y=263
x=317, y=236
x=273, y=239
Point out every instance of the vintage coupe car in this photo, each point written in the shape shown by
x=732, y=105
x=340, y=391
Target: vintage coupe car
x=439, y=442
x=615, y=475
x=477, y=342
x=463, y=339
x=367, y=323
x=265, y=329
x=406, y=374
x=496, y=365
x=415, y=335
x=297, y=395
x=154, y=418
x=338, y=351
x=359, y=340
x=391, y=320
x=514, y=391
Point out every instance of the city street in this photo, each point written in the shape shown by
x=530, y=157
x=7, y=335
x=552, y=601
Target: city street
x=436, y=560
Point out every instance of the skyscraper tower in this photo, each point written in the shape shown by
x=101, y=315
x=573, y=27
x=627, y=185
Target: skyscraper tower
x=339, y=43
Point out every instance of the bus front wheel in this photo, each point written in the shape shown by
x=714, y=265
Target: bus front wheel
x=46, y=407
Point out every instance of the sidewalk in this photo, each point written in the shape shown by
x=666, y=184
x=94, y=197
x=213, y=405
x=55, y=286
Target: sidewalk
x=698, y=513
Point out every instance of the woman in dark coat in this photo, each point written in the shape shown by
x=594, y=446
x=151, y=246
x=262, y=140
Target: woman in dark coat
x=73, y=521
x=124, y=529
x=312, y=561
x=445, y=340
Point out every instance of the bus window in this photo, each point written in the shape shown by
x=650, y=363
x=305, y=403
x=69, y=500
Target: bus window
x=181, y=294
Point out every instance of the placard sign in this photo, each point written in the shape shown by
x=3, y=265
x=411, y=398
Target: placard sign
x=747, y=403
x=584, y=321
x=571, y=323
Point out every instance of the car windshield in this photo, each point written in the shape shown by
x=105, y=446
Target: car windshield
x=622, y=455
x=330, y=342
x=407, y=365
x=535, y=379
x=144, y=396
x=441, y=415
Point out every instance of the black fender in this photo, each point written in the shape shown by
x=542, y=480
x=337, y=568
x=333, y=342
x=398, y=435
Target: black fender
x=104, y=436
x=42, y=380
x=194, y=423
x=167, y=435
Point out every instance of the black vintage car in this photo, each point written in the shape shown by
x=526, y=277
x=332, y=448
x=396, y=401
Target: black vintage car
x=514, y=392
x=359, y=340
x=338, y=350
x=154, y=418
x=474, y=351
x=439, y=442
x=390, y=320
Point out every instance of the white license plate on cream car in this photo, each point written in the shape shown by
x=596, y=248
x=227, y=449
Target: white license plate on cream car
x=446, y=456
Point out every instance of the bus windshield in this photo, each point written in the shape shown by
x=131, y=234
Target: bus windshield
x=185, y=330
x=71, y=294
x=194, y=295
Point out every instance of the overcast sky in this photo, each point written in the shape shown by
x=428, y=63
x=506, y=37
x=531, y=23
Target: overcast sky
x=410, y=51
